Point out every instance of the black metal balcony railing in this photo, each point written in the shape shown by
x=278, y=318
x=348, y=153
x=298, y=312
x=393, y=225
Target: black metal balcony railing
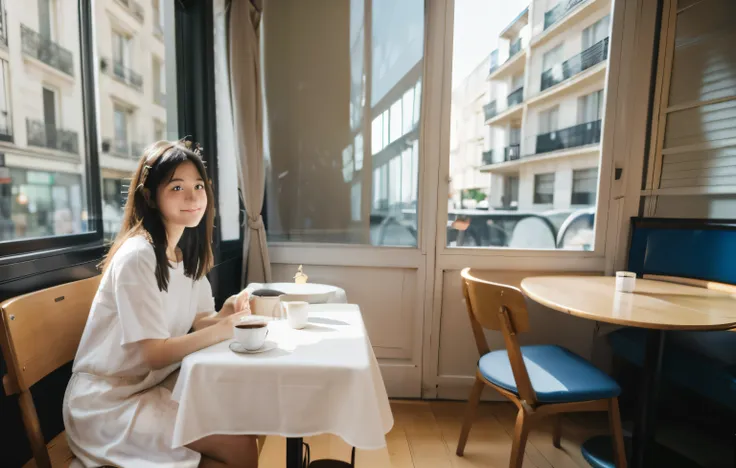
x=49, y=136
x=512, y=152
x=45, y=50
x=517, y=97
x=490, y=110
x=6, y=131
x=593, y=55
x=559, y=11
x=514, y=48
x=128, y=76
x=578, y=135
x=487, y=157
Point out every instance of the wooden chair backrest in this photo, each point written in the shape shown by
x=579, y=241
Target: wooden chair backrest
x=40, y=332
x=503, y=308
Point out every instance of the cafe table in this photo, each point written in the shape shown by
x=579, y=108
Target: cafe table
x=658, y=307
x=321, y=379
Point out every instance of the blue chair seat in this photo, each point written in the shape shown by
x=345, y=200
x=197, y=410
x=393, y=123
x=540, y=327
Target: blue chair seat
x=557, y=375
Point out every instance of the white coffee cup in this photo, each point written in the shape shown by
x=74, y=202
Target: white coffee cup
x=251, y=334
x=297, y=313
x=625, y=281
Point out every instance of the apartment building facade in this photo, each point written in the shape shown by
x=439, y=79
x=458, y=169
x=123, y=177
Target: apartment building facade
x=42, y=191
x=546, y=120
x=132, y=92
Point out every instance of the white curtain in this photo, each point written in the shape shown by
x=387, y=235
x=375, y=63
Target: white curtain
x=246, y=105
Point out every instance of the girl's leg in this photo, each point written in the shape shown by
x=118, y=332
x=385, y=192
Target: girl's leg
x=220, y=451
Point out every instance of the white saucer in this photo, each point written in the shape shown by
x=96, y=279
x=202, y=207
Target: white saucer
x=238, y=348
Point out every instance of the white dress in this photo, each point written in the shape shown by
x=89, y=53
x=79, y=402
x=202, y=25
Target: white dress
x=117, y=411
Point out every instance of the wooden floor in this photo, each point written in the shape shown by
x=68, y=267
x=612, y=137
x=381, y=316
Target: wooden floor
x=425, y=436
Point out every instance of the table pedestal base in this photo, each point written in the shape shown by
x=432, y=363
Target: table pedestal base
x=598, y=451
x=295, y=452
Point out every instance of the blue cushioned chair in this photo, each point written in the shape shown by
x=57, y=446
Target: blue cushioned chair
x=540, y=380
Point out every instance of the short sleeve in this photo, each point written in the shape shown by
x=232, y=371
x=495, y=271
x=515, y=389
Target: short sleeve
x=205, y=301
x=140, y=304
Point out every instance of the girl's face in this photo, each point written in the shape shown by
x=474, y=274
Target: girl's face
x=183, y=199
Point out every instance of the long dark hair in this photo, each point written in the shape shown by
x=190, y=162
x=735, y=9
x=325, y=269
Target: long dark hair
x=141, y=217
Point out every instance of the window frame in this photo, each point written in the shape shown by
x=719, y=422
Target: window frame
x=538, y=181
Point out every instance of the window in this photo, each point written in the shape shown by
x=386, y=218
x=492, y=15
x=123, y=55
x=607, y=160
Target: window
x=692, y=162
x=120, y=49
x=552, y=57
x=47, y=19
x=510, y=192
x=6, y=116
x=158, y=18
x=584, y=186
x=159, y=81
x=544, y=188
x=378, y=115
x=590, y=107
x=548, y=120
x=537, y=145
x=121, y=144
x=596, y=32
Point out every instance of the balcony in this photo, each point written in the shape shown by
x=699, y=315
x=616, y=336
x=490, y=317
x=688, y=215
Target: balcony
x=559, y=11
x=45, y=50
x=6, y=131
x=490, y=110
x=578, y=135
x=127, y=76
x=49, y=136
x=514, y=48
x=591, y=56
x=512, y=152
x=134, y=8
x=516, y=97
x=487, y=157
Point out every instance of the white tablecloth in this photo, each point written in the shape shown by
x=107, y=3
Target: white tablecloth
x=322, y=379
x=338, y=297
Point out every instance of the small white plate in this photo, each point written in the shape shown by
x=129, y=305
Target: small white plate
x=238, y=348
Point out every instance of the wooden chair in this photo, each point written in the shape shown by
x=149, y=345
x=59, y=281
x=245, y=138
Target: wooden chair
x=40, y=332
x=540, y=380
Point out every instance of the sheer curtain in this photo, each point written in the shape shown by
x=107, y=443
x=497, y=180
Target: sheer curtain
x=240, y=104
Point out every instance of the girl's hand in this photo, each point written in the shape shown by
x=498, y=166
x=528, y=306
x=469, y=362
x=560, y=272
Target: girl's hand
x=235, y=304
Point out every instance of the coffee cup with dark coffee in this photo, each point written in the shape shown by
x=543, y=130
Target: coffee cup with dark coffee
x=251, y=335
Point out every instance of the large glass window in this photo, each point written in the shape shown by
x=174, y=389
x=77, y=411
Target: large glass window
x=342, y=87
x=538, y=159
x=42, y=151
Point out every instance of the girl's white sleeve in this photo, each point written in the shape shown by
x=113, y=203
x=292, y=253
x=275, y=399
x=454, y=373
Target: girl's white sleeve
x=205, y=301
x=139, y=302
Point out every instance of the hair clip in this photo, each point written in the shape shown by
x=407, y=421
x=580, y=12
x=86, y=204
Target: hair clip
x=144, y=175
x=193, y=146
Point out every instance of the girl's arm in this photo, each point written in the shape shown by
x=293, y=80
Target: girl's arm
x=160, y=353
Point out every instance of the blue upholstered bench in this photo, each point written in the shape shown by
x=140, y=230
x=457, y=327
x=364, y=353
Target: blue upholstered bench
x=704, y=362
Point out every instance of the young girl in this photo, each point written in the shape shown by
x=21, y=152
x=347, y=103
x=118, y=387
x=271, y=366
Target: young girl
x=118, y=408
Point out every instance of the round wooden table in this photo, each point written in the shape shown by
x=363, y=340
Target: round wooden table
x=657, y=306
